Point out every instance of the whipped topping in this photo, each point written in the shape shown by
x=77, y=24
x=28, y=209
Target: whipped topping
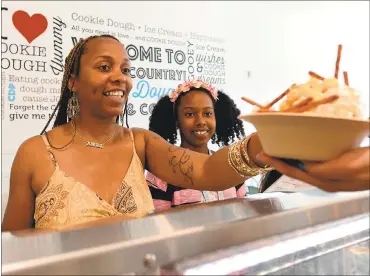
x=348, y=104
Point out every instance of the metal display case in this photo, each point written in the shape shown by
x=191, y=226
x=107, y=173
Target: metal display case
x=287, y=234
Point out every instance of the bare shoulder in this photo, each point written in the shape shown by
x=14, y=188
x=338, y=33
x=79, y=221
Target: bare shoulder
x=143, y=140
x=30, y=146
x=138, y=132
x=143, y=137
x=147, y=135
x=60, y=136
x=25, y=156
x=35, y=147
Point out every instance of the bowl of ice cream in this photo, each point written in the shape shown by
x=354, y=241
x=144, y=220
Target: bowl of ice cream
x=307, y=137
x=314, y=121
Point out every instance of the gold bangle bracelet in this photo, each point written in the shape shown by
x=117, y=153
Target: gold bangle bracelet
x=248, y=160
x=236, y=161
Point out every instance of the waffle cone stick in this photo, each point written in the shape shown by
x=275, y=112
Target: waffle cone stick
x=338, y=61
x=316, y=76
x=252, y=102
x=298, y=105
x=282, y=95
x=345, y=76
x=315, y=104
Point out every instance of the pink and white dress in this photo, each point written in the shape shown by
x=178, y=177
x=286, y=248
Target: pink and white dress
x=167, y=195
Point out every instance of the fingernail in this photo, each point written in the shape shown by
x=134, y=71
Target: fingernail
x=259, y=156
x=301, y=166
x=261, y=159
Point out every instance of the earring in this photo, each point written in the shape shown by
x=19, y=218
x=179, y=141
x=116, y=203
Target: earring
x=73, y=107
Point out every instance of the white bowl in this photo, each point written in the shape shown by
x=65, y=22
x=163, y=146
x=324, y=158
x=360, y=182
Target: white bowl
x=305, y=136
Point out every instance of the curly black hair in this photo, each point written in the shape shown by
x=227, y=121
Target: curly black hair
x=228, y=127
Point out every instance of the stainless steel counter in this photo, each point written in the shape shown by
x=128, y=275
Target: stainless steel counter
x=250, y=236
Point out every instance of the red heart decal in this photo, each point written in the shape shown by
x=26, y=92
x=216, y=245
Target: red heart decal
x=30, y=27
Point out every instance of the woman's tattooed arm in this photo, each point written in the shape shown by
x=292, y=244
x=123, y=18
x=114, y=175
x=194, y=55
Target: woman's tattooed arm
x=183, y=164
x=188, y=169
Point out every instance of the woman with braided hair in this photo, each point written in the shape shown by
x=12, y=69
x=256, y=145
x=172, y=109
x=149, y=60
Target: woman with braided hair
x=89, y=167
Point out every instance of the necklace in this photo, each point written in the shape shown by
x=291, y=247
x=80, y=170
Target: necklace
x=93, y=144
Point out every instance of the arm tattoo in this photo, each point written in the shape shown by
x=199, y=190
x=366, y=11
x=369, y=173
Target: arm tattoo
x=184, y=164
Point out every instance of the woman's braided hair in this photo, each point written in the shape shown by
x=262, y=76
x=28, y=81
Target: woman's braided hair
x=72, y=66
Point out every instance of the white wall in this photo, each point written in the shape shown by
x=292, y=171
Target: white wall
x=276, y=42
x=281, y=41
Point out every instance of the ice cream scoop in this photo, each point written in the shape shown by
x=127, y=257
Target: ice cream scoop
x=346, y=105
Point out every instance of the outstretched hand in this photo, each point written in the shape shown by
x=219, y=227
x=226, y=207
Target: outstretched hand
x=348, y=172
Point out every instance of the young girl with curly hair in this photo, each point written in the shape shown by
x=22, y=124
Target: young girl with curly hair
x=200, y=114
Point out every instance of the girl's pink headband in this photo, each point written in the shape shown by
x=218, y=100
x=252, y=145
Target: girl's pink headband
x=186, y=86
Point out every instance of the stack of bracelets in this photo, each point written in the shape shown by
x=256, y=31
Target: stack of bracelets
x=240, y=161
